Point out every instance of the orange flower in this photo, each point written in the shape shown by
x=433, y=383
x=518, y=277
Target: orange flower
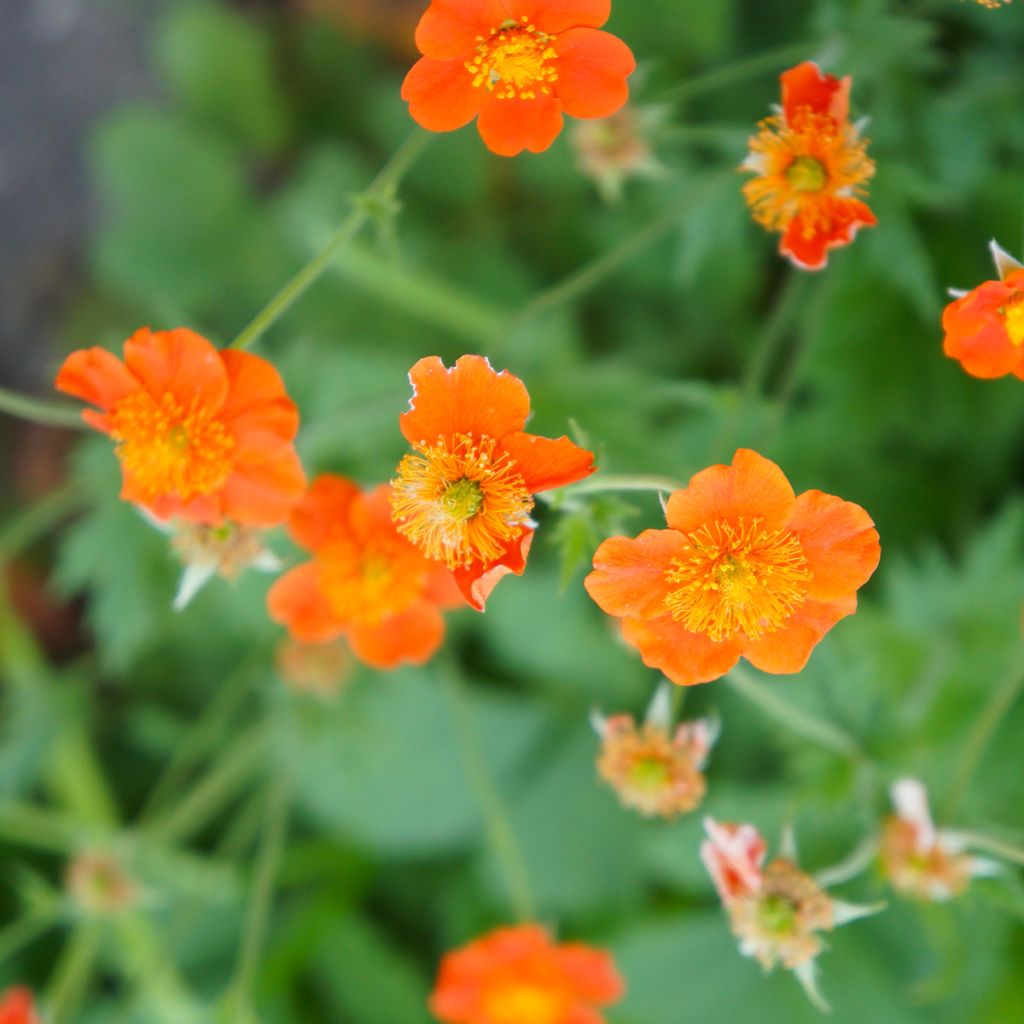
x=518, y=64
x=17, y=1007
x=365, y=582
x=810, y=165
x=985, y=327
x=519, y=976
x=203, y=435
x=745, y=568
x=465, y=498
x=655, y=769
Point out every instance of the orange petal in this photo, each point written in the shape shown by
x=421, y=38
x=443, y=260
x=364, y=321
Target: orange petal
x=545, y=463
x=787, y=649
x=412, y=636
x=752, y=487
x=296, y=601
x=510, y=126
x=441, y=589
x=592, y=70
x=469, y=398
x=554, y=16
x=839, y=541
x=835, y=223
x=629, y=573
x=97, y=377
x=261, y=492
x=477, y=582
x=591, y=972
x=322, y=514
x=976, y=333
x=449, y=28
x=179, y=363
x=805, y=86
x=257, y=411
x=686, y=658
x=441, y=95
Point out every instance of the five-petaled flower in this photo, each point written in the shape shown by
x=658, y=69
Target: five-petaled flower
x=920, y=860
x=203, y=435
x=745, y=568
x=466, y=496
x=985, y=327
x=365, y=582
x=517, y=66
x=811, y=166
x=519, y=975
x=776, y=911
x=655, y=770
x=18, y=1007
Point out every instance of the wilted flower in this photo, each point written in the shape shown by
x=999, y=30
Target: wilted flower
x=203, y=435
x=225, y=549
x=98, y=883
x=518, y=64
x=465, y=497
x=985, y=327
x=746, y=568
x=316, y=668
x=776, y=911
x=614, y=149
x=365, y=582
x=919, y=859
x=655, y=770
x=811, y=165
x=18, y=1007
x=520, y=976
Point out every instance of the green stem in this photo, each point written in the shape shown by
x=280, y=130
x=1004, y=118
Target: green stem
x=787, y=307
x=215, y=790
x=809, y=726
x=496, y=818
x=985, y=727
x=759, y=64
x=45, y=411
x=1005, y=851
x=593, y=273
x=36, y=521
x=26, y=930
x=203, y=735
x=268, y=863
x=612, y=483
x=381, y=190
x=73, y=974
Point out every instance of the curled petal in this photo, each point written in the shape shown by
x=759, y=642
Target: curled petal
x=97, y=377
x=805, y=87
x=478, y=580
x=832, y=224
x=545, y=463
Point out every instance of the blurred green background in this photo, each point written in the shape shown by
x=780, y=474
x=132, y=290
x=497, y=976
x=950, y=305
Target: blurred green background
x=266, y=121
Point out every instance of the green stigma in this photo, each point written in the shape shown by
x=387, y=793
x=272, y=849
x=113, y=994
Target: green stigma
x=806, y=174
x=462, y=499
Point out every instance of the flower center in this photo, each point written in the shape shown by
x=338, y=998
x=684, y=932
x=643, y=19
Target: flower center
x=459, y=503
x=523, y=1003
x=807, y=174
x=649, y=773
x=171, y=449
x=1013, y=318
x=737, y=578
x=514, y=61
x=368, y=583
x=777, y=915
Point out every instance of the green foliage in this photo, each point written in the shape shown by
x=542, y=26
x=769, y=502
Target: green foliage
x=271, y=129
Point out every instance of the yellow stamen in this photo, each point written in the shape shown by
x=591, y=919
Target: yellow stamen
x=737, y=578
x=459, y=504
x=171, y=449
x=514, y=61
x=1013, y=318
x=524, y=1004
